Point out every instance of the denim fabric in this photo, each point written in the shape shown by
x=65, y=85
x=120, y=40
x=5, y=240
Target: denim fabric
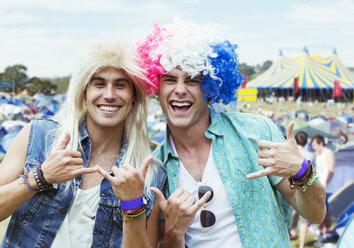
x=37, y=221
x=262, y=214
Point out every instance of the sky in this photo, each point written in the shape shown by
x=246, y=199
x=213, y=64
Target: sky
x=47, y=35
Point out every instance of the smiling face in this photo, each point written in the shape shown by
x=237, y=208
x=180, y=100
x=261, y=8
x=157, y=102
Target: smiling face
x=109, y=98
x=182, y=99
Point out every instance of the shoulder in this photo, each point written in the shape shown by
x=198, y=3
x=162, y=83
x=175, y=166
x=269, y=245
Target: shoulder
x=252, y=123
x=246, y=119
x=42, y=126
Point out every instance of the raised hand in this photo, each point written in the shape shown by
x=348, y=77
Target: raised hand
x=179, y=210
x=127, y=182
x=281, y=159
x=63, y=165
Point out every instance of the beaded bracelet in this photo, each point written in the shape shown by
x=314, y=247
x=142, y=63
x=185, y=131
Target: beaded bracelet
x=24, y=175
x=312, y=179
x=135, y=215
x=298, y=183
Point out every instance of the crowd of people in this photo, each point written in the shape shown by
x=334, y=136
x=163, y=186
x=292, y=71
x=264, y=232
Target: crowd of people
x=86, y=178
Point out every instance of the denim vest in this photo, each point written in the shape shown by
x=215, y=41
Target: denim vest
x=37, y=221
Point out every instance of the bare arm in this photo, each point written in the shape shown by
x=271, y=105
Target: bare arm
x=284, y=159
x=148, y=234
x=310, y=203
x=330, y=163
x=12, y=193
x=61, y=166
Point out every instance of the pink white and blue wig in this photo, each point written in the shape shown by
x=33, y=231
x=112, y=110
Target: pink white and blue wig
x=196, y=49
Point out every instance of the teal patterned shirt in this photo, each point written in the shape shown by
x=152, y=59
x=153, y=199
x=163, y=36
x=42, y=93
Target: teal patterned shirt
x=261, y=213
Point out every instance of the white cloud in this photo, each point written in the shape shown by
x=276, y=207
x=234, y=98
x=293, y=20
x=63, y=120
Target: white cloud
x=65, y=5
x=16, y=17
x=323, y=12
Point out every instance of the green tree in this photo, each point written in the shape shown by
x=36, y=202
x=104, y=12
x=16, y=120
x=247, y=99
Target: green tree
x=265, y=66
x=38, y=85
x=16, y=73
x=62, y=84
x=246, y=69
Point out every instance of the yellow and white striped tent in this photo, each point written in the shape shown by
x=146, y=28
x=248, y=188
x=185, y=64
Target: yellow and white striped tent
x=313, y=72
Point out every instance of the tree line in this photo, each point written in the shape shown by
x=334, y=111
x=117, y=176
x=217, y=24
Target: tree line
x=58, y=85
x=32, y=85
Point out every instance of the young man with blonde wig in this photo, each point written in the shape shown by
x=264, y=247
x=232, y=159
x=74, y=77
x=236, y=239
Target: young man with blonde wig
x=83, y=179
x=239, y=162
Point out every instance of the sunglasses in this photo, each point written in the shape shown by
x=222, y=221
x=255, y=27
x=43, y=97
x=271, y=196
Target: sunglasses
x=207, y=218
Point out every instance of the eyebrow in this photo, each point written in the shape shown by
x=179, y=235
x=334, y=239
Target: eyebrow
x=116, y=80
x=187, y=78
x=169, y=76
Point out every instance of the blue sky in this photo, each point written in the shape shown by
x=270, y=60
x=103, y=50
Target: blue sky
x=46, y=35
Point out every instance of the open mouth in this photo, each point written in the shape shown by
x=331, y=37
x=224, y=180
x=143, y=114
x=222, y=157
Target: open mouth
x=109, y=108
x=180, y=107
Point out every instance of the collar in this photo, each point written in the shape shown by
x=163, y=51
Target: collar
x=85, y=136
x=215, y=128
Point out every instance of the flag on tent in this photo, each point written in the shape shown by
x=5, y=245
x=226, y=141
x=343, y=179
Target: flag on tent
x=337, y=91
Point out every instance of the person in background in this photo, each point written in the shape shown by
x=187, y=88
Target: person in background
x=325, y=163
x=239, y=161
x=83, y=179
x=301, y=140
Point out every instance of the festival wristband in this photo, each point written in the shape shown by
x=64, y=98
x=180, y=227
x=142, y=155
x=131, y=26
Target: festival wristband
x=131, y=204
x=304, y=166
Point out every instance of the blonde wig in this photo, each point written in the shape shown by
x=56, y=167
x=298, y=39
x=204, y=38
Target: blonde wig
x=118, y=55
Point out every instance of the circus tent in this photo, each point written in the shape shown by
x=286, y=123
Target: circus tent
x=312, y=72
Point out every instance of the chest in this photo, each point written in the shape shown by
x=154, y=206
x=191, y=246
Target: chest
x=105, y=160
x=195, y=162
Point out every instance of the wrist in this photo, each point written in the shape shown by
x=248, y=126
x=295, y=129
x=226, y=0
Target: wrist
x=173, y=234
x=172, y=241
x=303, y=169
x=42, y=184
x=32, y=181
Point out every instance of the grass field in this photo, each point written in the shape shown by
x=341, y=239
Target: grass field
x=279, y=109
x=3, y=226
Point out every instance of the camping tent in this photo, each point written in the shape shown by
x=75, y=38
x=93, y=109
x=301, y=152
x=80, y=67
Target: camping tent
x=315, y=75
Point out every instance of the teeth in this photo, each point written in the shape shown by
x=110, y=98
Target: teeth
x=180, y=104
x=108, y=108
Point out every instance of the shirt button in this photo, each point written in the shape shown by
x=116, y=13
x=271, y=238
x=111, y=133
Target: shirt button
x=44, y=246
x=62, y=210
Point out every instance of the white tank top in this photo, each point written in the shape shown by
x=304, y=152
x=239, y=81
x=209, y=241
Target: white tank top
x=224, y=233
x=76, y=231
x=321, y=166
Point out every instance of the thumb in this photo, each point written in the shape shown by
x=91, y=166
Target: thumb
x=145, y=166
x=65, y=141
x=160, y=197
x=290, y=131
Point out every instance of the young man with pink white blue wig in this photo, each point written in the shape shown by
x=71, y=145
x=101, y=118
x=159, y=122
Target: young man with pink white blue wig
x=227, y=172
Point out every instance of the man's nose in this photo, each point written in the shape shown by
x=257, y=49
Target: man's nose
x=181, y=88
x=109, y=93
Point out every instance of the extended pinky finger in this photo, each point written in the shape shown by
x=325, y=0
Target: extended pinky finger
x=104, y=173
